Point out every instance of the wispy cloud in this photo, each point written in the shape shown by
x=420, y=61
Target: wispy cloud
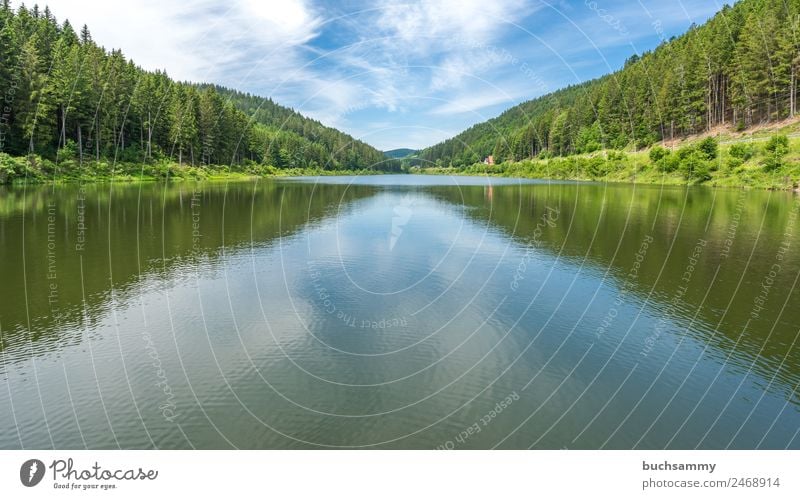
x=471, y=103
x=196, y=39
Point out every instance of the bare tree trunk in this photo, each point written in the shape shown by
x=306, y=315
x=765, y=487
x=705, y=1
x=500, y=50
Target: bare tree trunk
x=149, y=136
x=80, y=146
x=709, y=101
x=791, y=93
x=63, y=127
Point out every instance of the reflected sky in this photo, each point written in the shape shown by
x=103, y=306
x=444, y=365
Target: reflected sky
x=342, y=313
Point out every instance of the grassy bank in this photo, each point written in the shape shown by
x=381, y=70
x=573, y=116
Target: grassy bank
x=764, y=160
x=34, y=169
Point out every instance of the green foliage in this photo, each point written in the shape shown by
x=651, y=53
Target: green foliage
x=12, y=168
x=670, y=163
x=742, y=151
x=597, y=167
x=777, y=145
x=589, y=139
x=646, y=141
x=775, y=149
x=708, y=147
x=734, y=163
x=657, y=153
x=616, y=155
x=694, y=165
x=69, y=151
x=685, y=151
x=8, y=168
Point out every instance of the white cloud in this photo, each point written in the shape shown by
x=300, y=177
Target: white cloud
x=289, y=21
x=474, y=101
x=193, y=40
x=447, y=20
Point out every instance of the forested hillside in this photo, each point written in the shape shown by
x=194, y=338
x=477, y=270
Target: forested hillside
x=68, y=100
x=296, y=141
x=738, y=69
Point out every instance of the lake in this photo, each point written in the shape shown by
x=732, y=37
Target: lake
x=398, y=312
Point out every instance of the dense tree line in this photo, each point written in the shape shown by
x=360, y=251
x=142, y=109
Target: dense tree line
x=739, y=69
x=65, y=98
x=291, y=139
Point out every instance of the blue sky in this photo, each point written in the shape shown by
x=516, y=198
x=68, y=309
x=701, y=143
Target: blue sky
x=392, y=73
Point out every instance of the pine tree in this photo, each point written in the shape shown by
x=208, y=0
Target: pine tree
x=86, y=37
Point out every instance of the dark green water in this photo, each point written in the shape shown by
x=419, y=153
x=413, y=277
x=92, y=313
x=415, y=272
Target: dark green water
x=398, y=312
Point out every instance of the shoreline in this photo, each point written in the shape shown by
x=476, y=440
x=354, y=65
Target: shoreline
x=649, y=181
x=245, y=177
x=633, y=170
x=177, y=174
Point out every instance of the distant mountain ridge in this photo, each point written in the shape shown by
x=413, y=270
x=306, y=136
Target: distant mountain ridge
x=400, y=153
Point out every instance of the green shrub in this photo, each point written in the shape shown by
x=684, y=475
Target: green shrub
x=69, y=151
x=775, y=149
x=592, y=147
x=778, y=145
x=48, y=167
x=772, y=163
x=734, y=162
x=702, y=171
x=131, y=154
x=597, y=167
x=657, y=153
x=685, y=151
x=669, y=163
x=708, y=147
x=742, y=151
x=8, y=168
x=619, y=142
x=645, y=141
x=694, y=165
x=614, y=155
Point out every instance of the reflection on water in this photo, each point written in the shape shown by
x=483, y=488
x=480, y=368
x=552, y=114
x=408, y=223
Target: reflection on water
x=398, y=311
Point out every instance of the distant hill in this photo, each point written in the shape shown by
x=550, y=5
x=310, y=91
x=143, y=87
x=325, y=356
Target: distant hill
x=302, y=139
x=400, y=153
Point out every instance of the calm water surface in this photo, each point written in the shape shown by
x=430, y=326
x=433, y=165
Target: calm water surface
x=398, y=312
